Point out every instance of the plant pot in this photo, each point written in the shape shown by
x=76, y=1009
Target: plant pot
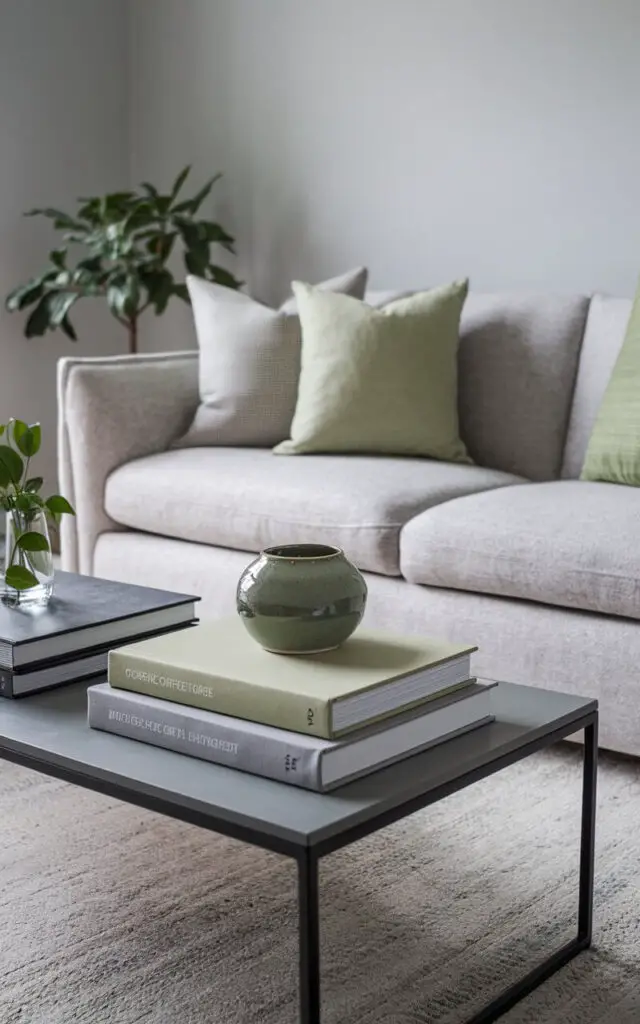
x=40, y=563
x=301, y=598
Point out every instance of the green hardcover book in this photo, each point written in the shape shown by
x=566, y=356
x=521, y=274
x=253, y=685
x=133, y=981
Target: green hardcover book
x=218, y=667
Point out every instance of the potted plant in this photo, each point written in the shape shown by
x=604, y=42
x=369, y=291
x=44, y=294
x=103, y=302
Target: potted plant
x=128, y=239
x=28, y=573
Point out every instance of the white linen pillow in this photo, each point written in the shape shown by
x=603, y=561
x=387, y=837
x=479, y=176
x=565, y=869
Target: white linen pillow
x=249, y=363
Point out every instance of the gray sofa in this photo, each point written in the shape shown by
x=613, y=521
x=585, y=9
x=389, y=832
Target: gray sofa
x=515, y=553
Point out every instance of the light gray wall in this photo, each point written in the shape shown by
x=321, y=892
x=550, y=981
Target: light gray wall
x=426, y=138
x=65, y=132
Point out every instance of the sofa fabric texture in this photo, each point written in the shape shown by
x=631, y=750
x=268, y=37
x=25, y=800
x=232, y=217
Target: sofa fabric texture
x=555, y=543
x=111, y=410
x=518, y=362
x=250, y=499
x=379, y=380
x=249, y=363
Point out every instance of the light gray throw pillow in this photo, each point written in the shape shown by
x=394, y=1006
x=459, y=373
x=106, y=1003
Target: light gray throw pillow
x=249, y=363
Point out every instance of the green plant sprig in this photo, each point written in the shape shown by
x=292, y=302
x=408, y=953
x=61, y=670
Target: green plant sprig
x=20, y=497
x=129, y=238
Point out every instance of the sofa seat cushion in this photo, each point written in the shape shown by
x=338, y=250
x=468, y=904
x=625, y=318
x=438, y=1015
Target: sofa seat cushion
x=249, y=498
x=570, y=543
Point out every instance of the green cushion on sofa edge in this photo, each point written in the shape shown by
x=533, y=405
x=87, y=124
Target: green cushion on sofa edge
x=613, y=453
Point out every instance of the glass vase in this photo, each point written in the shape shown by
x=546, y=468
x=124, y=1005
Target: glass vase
x=40, y=563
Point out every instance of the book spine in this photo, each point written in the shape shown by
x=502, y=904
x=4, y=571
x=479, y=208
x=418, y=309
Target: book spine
x=283, y=709
x=6, y=683
x=209, y=737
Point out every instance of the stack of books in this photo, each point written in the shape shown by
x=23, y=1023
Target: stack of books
x=70, y=638
x=316, y=721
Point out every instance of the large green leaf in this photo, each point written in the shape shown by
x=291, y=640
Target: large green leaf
x=159, y=285
x=24, y=296
x=19, y=578
x=222, y=276
x=68, y=328
x=123, y=296
x=89, y=276
x=179, y=182
x=32, y=541
x=115, y=202
x=215, y=233
x=89, y=211
x=115, y=295
x=33, y=484
x=193, y=205
x=18, y=429
x=38, y=323
x=62, y=279
x=160, y=244
x=59, y=258
x=11, y=466
x=31, y=440
x=27, y=502
x=197, y=261
x=190, y=232
x=162, y=205
x=62, y=219
x=27, y=437
x=59, y=305
x=92, y=265
x=140, y=216
x=58, y=505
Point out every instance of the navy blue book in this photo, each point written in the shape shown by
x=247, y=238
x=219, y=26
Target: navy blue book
x=84, y=617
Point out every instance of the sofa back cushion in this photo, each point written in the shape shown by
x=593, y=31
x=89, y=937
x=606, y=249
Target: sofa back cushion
x=518, y=360
x=604, y=333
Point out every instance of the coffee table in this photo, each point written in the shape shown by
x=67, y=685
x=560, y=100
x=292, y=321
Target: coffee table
x=49, y=733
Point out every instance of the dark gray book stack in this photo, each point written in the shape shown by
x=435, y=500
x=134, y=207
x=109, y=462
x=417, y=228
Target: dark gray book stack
x=70, y=638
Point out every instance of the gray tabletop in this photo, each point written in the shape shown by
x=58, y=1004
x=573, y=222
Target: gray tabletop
x=52, y=728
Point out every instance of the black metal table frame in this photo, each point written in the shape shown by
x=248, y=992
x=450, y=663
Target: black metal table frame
x=307, y=857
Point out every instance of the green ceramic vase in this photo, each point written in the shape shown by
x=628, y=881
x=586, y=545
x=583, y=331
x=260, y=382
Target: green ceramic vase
x=301, y=598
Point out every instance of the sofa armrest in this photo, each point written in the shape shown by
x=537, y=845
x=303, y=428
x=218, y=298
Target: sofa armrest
x=112, y=410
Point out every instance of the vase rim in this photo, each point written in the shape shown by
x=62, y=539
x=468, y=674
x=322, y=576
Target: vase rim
x=302, y=552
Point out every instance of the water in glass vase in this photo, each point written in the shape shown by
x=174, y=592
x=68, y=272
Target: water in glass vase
x=29, y=555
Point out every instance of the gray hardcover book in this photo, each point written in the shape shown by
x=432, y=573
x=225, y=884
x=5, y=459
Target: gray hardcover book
x=58, y=673
x=295, y=758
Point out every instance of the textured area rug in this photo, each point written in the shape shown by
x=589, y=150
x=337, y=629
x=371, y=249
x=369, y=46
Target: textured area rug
x=112, y=915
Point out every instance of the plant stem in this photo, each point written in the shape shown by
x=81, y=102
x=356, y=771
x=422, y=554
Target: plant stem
x=133, y=336
x=17, y=530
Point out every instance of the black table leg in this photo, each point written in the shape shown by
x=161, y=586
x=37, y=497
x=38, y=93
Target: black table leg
x=582, y=941
x=588, y=841
x=309, y=938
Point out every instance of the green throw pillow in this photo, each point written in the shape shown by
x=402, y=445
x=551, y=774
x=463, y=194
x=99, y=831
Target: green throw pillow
x=613, y=453
x=379, y=381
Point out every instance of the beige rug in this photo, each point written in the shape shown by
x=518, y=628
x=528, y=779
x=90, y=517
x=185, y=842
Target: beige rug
x=111, y=915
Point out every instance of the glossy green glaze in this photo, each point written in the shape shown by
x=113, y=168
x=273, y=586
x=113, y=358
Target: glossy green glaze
x=301, y=598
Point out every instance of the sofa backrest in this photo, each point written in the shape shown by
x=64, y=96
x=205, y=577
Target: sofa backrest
x=518, y=361
x=604, y=333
